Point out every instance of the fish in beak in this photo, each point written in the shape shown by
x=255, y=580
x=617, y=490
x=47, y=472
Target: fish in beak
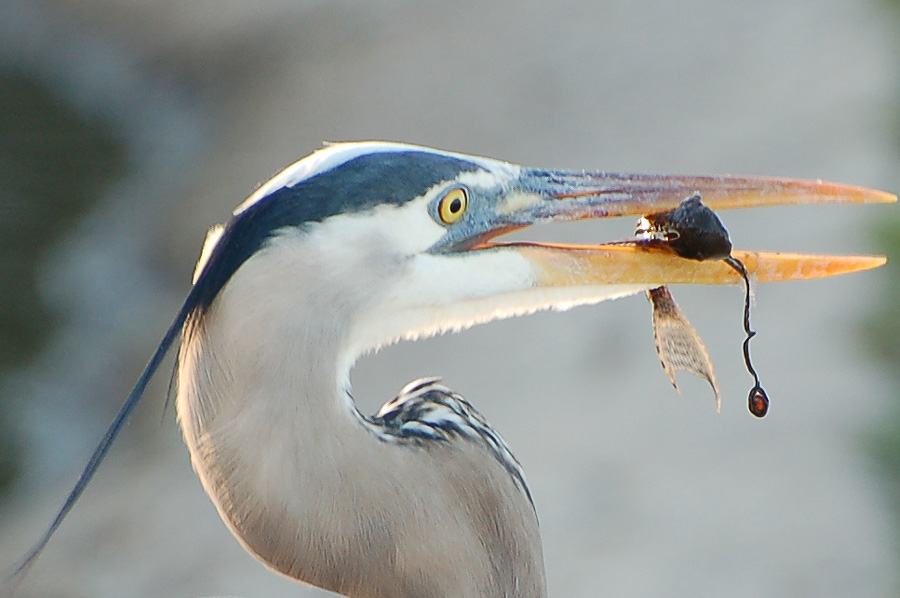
x=679, y=240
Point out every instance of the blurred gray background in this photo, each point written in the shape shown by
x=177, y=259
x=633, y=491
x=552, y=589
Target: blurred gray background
x=160, y=117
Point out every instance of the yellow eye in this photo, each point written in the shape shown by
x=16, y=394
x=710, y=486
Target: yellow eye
x=453, y=206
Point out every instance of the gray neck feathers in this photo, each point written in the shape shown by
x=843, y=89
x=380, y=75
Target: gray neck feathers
x=302, y=481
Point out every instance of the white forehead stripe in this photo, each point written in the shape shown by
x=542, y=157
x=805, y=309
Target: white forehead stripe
x=333, y=155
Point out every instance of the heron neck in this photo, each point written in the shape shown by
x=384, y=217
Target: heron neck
x=310, y=490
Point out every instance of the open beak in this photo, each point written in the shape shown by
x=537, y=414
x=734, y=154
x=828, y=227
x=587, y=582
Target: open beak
x=561, y=195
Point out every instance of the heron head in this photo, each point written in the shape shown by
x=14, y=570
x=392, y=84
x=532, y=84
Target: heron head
x=405, y=240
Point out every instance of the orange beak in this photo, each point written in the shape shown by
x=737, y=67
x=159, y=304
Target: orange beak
x=560, y=195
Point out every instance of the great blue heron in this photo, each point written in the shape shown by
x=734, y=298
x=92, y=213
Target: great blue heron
x=358, y=246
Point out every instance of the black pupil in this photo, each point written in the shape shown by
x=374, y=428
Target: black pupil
x=455, y=205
